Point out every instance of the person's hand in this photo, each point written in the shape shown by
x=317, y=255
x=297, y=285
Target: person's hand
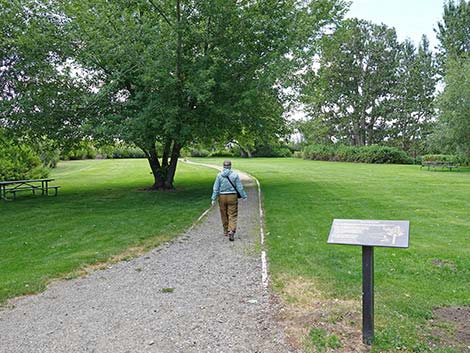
x=245, y=198
x=212, y=202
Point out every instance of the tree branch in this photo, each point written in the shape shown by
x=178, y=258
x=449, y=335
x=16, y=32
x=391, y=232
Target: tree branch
x=161, y=13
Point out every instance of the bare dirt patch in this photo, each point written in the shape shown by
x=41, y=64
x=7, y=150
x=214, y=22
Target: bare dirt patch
x=304, y=310
x=451, y=325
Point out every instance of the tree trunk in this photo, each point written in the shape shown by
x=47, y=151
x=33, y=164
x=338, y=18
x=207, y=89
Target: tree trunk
x=163, y=173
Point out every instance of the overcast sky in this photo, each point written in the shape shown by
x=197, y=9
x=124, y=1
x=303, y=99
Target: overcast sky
x=411, y=18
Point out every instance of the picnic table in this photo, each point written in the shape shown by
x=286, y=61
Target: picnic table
x=33, y=185
x=441, y=164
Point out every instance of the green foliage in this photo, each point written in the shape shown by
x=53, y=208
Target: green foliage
x=127, y=152
x=453, y=129
x=160, y=75
x=453, y=32
x=351, y=91
x=19, y=162
x=82, y=150
x=198, y=152
x=452, y=132
x=369, y=89
x=440, y=158
x=48, y=152
x=39, y=95
x=364, y=154
x=272, y=150
x=225, y=153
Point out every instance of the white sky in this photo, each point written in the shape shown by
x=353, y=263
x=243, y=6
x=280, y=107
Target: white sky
x=411, y=18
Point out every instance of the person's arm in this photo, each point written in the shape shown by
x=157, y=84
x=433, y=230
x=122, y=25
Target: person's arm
x=216, y=188
x=240, y=189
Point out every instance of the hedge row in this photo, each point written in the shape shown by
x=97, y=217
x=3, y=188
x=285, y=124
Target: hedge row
x=364, y=154
x=86, y=150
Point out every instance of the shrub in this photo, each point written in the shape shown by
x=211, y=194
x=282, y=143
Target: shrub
x=83, y=150
x=272, y=151
x=222, y=153
x=365, y=154
x=383, y=155
x=198, y=152
x=19, y=162
x=320, y=152
x=125, y=151
x=440, y=158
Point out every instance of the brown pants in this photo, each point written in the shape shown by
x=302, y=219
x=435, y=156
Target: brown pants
x=228, y=205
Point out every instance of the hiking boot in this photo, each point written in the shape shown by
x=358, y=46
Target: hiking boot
x=231, y=236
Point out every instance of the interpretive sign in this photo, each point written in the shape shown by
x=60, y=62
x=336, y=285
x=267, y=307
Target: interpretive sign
x=393, y=234
x=369, y=233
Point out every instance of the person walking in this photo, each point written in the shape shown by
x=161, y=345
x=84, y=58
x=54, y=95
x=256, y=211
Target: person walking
x=229, y=189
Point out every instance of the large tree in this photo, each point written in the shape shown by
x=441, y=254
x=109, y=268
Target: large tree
x=165, y=73
x=452, y=133
x=37, y=94
x=413, y=114
x=368, y=88
x=351, y=90
x=453, y=31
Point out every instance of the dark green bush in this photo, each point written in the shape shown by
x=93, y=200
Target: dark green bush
x=198, y=152
x=272, y=151
x=124, y=151
x=82, y=150
x=19, y=162
x=365, y=154
x=223, y=153
x=320, y=152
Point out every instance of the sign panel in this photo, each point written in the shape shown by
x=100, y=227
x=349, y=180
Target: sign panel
x=394, y=234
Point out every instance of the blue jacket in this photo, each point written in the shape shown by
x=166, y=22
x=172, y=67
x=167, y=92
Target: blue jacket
x=222, y=185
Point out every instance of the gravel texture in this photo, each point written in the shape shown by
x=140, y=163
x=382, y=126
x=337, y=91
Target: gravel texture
x=199, y=293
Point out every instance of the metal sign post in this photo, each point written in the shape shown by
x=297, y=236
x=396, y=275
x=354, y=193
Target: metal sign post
x=369, y=233
x=368, y=294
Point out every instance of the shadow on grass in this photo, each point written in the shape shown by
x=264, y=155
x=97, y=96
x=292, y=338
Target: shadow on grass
x=49, y=237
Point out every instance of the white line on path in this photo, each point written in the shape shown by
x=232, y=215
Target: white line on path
x=264, y=262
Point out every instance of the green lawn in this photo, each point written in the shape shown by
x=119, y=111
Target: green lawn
x=301, y=198
x=100, y=211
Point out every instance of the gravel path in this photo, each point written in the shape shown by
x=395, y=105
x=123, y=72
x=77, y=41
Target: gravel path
x=214, y=300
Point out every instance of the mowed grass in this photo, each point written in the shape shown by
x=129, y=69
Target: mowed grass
x=101, y=211
x=301, y=198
